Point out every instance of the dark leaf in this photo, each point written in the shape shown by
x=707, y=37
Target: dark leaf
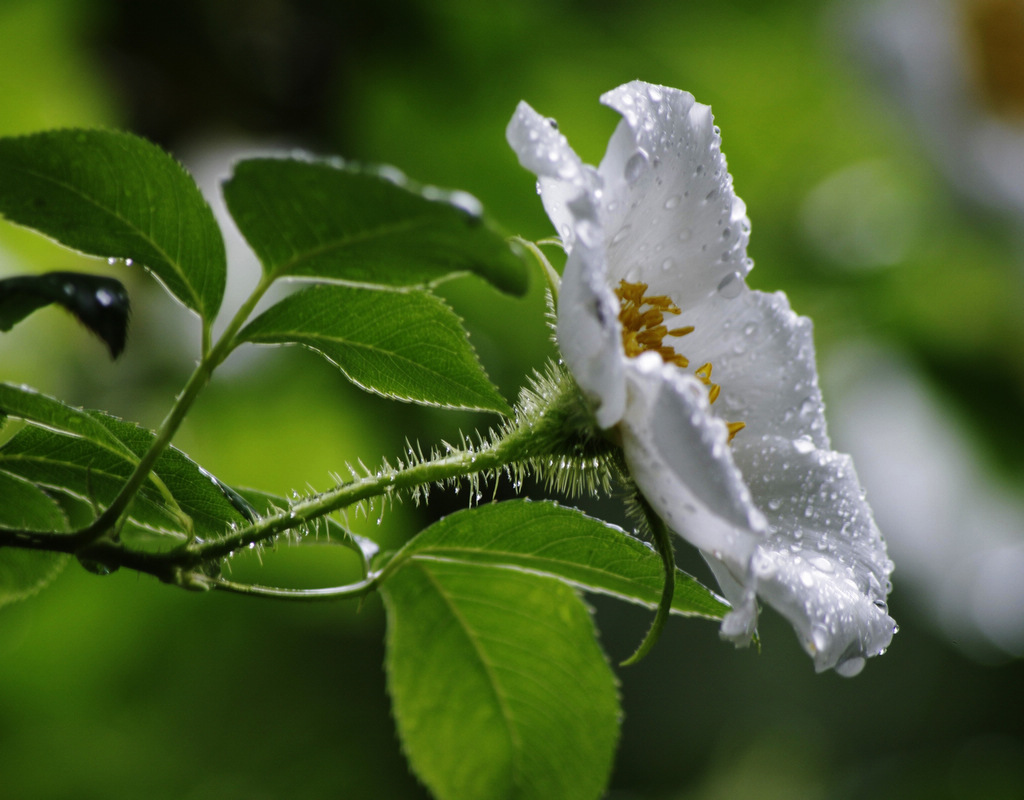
x=100, y=303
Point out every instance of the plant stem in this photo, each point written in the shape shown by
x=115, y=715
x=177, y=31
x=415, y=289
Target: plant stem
x=212, y=357
x=459, y=464
x=663, y=541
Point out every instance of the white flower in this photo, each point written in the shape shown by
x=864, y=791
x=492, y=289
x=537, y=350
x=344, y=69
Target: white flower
x=651, y=300
x=955, y=69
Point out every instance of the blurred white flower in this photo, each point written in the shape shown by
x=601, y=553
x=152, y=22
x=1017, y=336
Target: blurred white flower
x=657, y=252
x=955, y=532
x=957, y=68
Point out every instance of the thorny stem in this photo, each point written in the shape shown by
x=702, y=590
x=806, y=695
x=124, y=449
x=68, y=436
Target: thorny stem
x=545, y=430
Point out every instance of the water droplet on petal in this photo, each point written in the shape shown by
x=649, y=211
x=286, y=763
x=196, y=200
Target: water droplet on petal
x=820, y=638
x=588, y=233
x=673, y=201
x=731, y=286
x=804, y=445
x=850, y=667
x=635, y=166
x=622, y=234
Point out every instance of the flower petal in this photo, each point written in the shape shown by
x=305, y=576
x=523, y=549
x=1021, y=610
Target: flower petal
x=763, y=357
x=671, y=217
x=562, y=176
x=823, y=564
x=589, y=334
x=677, y=453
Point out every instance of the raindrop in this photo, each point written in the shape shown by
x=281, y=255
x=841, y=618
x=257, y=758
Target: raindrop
x=636, y=165
x=654, y=93
x=820, y=638
x=807, y=579
x=850, y=667
x=763, y=566
x=111, y=261
x=731, y=286
x=588, y=233
x=667, y=264
x=750, y=329
x=673, y=201
x=104, y=297
x=804, y=445
x=97, y=567
x=622, y=234
x=128, y=262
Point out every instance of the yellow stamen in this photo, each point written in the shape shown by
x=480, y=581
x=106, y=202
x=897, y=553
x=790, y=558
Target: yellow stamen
x=734, y=428
x=644, y=331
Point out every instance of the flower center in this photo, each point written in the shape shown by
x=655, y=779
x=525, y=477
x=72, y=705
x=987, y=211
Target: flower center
x=996, y=28
x=644, y=330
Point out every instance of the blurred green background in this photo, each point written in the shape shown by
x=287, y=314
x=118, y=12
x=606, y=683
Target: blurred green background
x=122, y=687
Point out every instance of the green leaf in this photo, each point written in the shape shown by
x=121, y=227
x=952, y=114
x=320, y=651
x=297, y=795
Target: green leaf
x=115, y=195
x=91, y=454
x=100, y=303
x=548, y=538
x=499, y=687
x=329, y=220
x=403, y=344
x=27, y=507
x=23, y=402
